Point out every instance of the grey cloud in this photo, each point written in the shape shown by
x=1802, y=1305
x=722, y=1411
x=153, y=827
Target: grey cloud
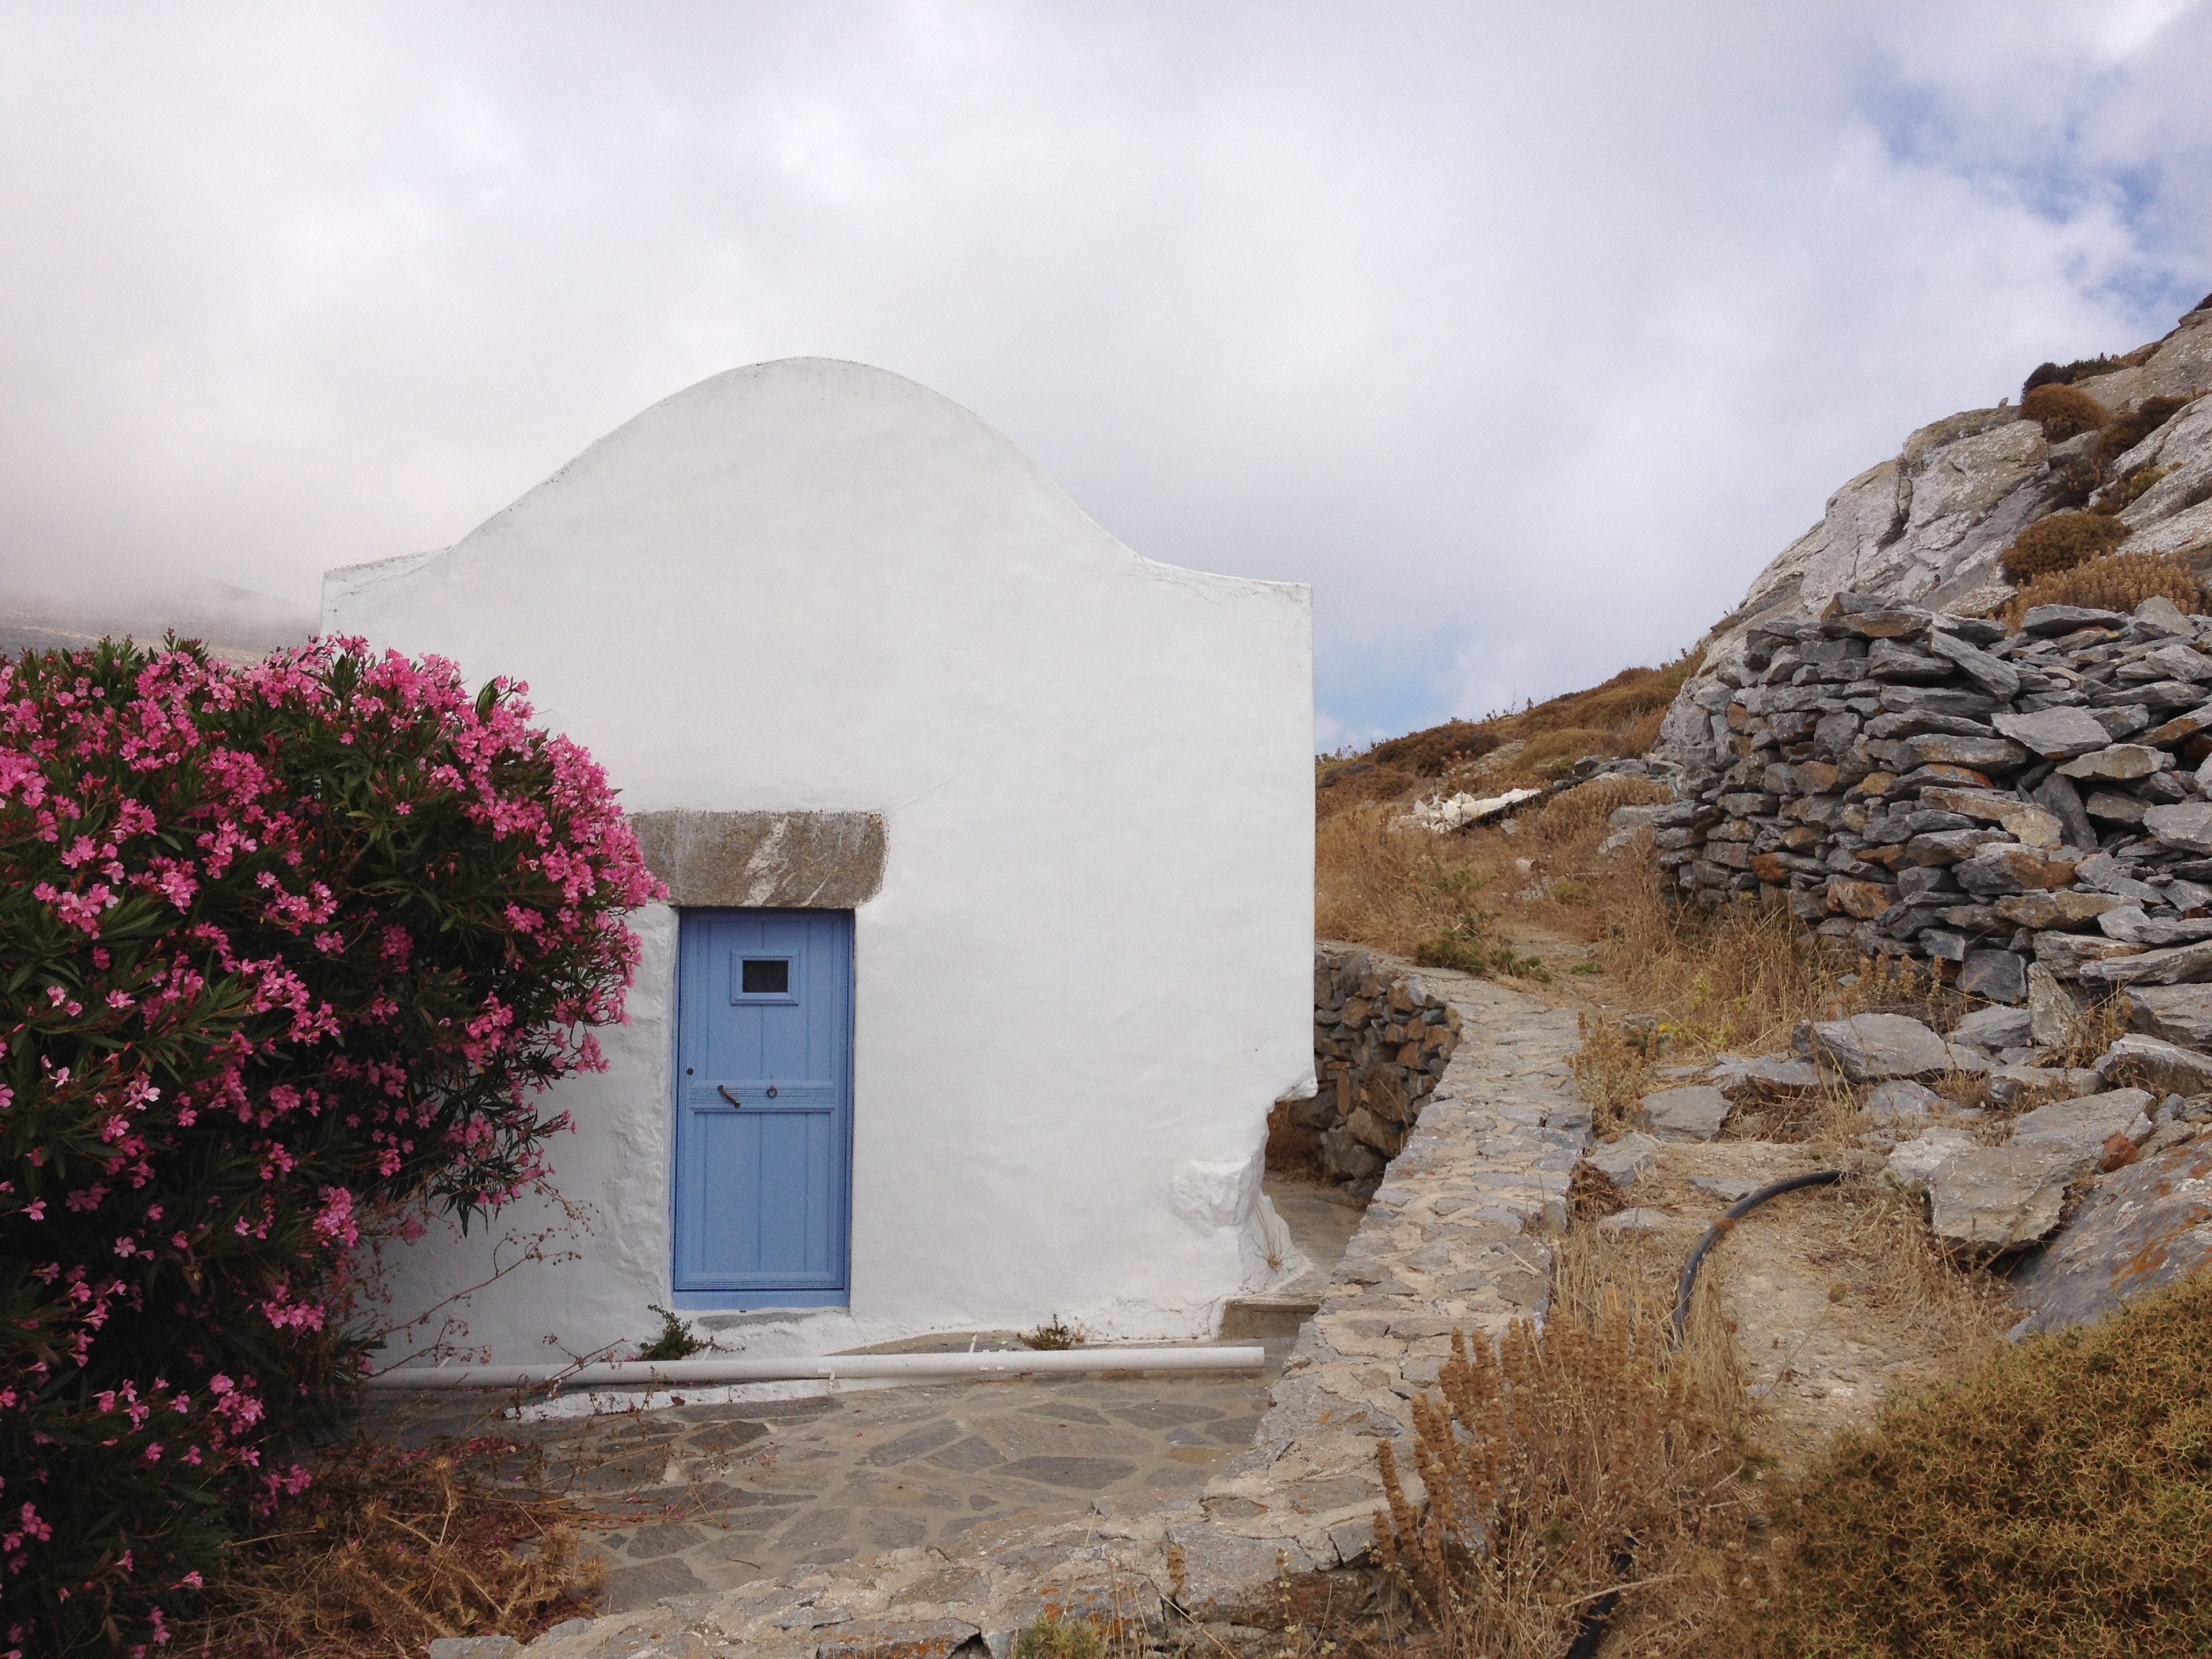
x=1527, y=334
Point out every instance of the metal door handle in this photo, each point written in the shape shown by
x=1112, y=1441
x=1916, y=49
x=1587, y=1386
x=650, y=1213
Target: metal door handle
x=727, y=1096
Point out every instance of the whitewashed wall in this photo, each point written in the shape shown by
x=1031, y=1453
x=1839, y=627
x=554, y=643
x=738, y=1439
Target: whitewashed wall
x=814, y=585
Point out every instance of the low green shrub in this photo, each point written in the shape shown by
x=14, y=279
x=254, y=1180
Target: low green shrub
x=2059, y=542
x=2063, y=410
x=2058, y=1503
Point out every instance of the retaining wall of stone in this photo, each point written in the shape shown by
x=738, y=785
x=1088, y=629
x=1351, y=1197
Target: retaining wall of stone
x=1382, y=1040
x=1985, y=799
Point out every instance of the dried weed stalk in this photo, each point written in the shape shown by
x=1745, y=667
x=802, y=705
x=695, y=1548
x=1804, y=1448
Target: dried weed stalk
x=1559, y=1467
x=387, y=1550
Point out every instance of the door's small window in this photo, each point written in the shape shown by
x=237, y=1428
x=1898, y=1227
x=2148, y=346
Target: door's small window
x=760, y=977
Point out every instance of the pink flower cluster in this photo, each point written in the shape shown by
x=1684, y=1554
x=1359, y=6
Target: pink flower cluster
x=289, y=941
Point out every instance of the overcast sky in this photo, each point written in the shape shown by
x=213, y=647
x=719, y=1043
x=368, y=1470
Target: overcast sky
x=1527, y=334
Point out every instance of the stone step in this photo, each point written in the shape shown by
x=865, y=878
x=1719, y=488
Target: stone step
x=1255, y=1318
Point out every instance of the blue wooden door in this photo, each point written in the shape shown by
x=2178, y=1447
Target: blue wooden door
x=763, y=1108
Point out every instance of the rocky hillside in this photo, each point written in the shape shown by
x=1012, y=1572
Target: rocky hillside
x=1928, y=527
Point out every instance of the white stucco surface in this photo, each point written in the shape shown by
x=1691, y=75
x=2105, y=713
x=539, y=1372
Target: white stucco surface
x=813, y=585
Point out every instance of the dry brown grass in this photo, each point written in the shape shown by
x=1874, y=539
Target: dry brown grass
x=2060, y=542
x=2064, y=411
x=2053, y=1503
x=1562, y=1466
x=1536, y=745
x=387, y=1550
x=2119, y=581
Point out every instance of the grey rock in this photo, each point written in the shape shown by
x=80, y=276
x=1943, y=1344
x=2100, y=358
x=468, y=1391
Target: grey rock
x=1993, y=674
x=1995, y=1028
x=2108, y=875
x=1901, y=1102
x=473, y=1647
x=1997, y=975
x=1737, y=1078
x=2086, y=1124
x=2053, y=733
x=2067, y=955
x=1941, y=847
x=2053, y=1014
x=1726, y=1189
x=1634, y=1223
x=1222, y=1569
x=1888, y=661
x=2011, y=1084
x=2009, y=867
x=1875, y=1047
x=1696, y=1113
x=1981, y=754
x=1988, y=1201
x=2046, y=621
x=2180, y=1013
x=2142, y=1226
x=2059, y=795
x=2188, y=826
x=1626, y=1161
x=2154, y=1063
x=2119, y=762
x=1912, y=1162
x=896, y=1638
x=2129, y=923
x=2107, y=807
x=2183, y=964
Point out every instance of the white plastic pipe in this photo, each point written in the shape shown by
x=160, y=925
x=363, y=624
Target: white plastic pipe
x=646, y=1374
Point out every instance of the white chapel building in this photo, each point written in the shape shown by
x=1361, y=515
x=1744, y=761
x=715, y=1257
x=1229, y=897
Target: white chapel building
x=989, y=846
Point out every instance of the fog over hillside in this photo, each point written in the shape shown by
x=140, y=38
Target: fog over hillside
x=236, y=624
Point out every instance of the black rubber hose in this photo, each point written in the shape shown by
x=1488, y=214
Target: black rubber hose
x=1736, y=1213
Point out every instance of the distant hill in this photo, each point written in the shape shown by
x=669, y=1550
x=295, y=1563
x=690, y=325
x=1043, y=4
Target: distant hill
x=236, y=624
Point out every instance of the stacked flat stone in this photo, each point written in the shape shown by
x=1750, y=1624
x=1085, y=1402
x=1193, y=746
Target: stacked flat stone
x=1380, y=1042
x=1918, y=784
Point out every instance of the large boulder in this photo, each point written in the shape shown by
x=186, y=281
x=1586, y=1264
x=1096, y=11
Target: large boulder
x=2143, y=1226
x=1989, y=1200
x=2086, y=1124
x=1875, y=1047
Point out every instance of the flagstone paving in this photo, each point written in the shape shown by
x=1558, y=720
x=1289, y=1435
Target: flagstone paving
x=718, y=1494
x=1458, y=1236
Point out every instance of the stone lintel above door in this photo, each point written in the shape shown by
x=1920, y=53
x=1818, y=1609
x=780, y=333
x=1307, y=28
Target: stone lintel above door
x=797, y=860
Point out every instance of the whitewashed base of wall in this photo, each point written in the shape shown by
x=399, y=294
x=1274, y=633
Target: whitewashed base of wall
x=1459, y=1235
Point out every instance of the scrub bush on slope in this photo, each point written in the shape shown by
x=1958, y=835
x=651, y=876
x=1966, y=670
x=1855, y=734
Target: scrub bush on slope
x=2057, y=1505
x=279, y=945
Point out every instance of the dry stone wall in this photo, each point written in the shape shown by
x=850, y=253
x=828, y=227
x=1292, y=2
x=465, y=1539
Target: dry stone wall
x=1382, y=1040
x=1913, y=783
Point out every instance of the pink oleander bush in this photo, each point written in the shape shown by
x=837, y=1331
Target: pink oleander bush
x=280, y=947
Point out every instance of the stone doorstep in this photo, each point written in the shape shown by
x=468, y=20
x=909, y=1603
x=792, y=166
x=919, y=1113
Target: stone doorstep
x=1253, y=1318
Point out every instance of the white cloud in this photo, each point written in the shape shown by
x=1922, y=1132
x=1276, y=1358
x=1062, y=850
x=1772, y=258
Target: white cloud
x=1527, y=335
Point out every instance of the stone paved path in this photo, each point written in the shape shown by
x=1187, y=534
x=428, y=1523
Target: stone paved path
x=717, y=1495
x=1458, y=1234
